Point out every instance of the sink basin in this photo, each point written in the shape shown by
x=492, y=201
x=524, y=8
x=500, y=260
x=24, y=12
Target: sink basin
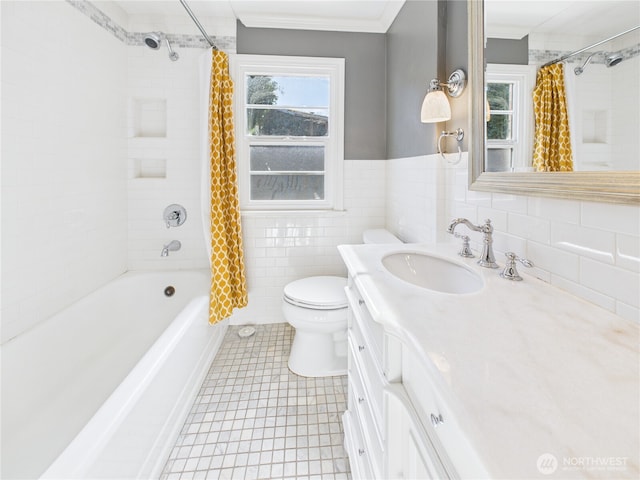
x=433, y=273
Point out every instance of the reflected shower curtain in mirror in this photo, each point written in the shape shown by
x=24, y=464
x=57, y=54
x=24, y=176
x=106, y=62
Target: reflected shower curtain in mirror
x=228, y=283
x=552, y=141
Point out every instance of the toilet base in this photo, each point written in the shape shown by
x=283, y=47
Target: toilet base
x=318, y=355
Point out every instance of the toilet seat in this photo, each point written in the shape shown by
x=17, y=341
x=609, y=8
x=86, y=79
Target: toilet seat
x=318, y=293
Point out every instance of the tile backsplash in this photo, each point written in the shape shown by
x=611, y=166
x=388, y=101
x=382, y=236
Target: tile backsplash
x=284, y=246
x=591, y=250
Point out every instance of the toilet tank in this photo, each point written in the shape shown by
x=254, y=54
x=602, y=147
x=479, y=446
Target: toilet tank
x=379, y=236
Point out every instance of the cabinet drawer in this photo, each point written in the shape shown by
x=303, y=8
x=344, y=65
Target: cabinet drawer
x=359, y=457
x=370, y=434
x=360, y=400
x=368, y=370
x=372, y=331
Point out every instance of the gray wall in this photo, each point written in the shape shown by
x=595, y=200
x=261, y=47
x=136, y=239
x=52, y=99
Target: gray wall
x=412, y=61
x=457, y=56
x=514, y=52
x=365, y=78
x=427, y=39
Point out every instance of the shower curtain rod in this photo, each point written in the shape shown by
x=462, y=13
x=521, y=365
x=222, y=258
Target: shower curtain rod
x=569, y=55
x=198, y=24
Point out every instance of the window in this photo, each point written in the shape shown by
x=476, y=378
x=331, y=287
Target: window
x=289, y=131
x=510, y=117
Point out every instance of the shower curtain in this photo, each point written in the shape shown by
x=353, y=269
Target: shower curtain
x=552, y=139
x=228, y=283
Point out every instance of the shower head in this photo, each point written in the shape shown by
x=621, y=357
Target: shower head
x=612, y=59
x=153, y=40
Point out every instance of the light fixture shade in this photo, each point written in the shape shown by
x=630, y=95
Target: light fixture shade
x=435, y=107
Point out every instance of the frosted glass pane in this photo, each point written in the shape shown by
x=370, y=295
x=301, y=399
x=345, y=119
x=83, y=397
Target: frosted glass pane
x=287, y=187
x=290, y=122
x=498, y=160
x=278, y=158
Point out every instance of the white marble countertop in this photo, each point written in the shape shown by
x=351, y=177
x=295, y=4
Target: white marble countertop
x=528, y=369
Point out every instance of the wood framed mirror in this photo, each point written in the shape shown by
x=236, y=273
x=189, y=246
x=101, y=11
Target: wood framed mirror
x=597, y=186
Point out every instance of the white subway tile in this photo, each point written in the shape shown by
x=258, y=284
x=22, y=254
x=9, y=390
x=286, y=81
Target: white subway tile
x=628, y=252
x=615, y=282
x=529, y=228
x=558, y=262
x=612, y=218
x=510, y=203
x=586, y=242
x=554, y=209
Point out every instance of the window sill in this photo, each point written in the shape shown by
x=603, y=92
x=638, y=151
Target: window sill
x=292, y=213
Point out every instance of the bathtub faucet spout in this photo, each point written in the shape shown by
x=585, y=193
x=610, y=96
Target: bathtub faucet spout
x=172, y=246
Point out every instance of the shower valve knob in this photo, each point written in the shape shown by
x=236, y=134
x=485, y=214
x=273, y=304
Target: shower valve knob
x=174, y=215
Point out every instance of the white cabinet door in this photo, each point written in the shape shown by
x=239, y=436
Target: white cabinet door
x=410, y=453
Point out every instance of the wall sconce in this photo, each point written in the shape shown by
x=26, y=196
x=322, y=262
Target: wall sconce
x=436, y=108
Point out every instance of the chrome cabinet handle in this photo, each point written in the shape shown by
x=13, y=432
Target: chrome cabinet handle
x=360, y=302
x=436, y=420
x=360, y=399
x=361, y=347
x=361, y=451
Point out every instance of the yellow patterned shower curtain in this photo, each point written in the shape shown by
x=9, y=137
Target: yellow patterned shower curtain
x=228, y=283
x=552, y=141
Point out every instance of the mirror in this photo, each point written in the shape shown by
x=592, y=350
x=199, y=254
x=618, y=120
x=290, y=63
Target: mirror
x=619, y=186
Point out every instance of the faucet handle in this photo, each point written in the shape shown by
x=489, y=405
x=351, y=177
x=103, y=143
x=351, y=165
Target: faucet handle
x=510, y=271
x=465, y=251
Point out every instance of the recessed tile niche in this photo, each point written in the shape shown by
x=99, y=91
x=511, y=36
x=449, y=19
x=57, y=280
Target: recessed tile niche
x=149, y=118
x=149, y=168
x=594, y=126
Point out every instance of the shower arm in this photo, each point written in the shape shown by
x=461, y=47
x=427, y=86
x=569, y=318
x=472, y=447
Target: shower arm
x=569, y=55
x=198, y=24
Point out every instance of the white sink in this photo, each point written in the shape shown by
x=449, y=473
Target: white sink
x=432, y=272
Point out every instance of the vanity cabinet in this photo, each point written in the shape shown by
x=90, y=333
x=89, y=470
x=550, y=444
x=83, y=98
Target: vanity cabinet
x=385, y=434
x=363, y=420
x=484, y=385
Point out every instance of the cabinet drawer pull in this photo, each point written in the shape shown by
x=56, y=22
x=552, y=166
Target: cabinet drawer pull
x=360, y=302
x=361, y=347
x=360, y=399
x=436, y=419
x=361, y=451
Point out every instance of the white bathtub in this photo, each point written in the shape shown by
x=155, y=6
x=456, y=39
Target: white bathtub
x=101, y=389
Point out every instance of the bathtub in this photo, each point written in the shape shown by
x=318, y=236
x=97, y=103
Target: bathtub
x=101, y=389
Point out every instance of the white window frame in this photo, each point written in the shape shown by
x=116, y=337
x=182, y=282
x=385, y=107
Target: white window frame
x=523, y=79
x=243, y=65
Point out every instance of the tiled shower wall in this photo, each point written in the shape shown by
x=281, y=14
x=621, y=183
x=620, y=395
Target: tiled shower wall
x=589, y=249
x=83, y=193
x=163, y=138
x=64, y=191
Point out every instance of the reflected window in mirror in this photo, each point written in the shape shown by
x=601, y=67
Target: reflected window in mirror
x=619, y=186
x=509, y=118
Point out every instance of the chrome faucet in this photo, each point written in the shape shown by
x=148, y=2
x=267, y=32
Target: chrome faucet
x=487, y=258
x=172, y=246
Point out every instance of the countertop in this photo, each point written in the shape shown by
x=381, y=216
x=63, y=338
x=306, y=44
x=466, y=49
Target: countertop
x=530, y=371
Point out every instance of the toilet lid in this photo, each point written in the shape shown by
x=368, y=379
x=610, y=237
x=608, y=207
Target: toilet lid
x=322, y=293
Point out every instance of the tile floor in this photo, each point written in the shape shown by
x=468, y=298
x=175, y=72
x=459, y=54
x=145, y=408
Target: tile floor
x=254, y=419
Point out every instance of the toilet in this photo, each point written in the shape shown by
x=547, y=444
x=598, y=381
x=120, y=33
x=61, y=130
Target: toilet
x=317, y=308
